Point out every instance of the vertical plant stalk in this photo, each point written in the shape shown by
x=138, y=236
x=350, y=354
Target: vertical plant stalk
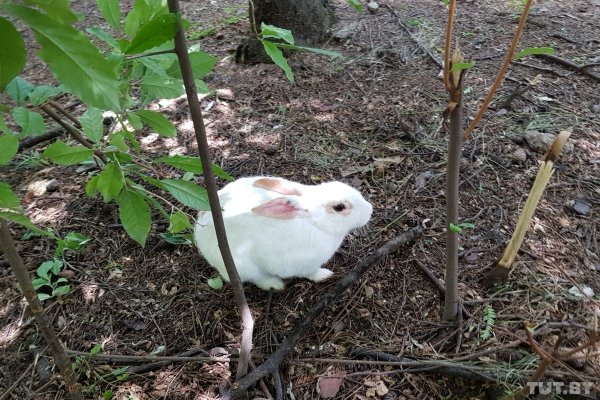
x=213, y=197
x=454, y=112
x=61, y=359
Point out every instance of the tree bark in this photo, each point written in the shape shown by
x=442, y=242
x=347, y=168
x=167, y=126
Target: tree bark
x=309, y=21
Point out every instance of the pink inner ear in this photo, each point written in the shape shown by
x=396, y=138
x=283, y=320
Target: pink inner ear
x=280, y=208
x=278, y=185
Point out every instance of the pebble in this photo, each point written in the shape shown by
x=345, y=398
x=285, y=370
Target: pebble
x=53, y=185
x=596, y=108
x=542, y=141
x=519, y=156
x=373, y=7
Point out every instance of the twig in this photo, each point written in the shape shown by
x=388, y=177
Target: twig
x=333, y=293
x=16, y=382
x=154, y=53
x=502, y=72
x=61, y=359
x=571, y=64
x=213, y=197
x=277, y=382
x=64, y=112
x=538, y=68
x=428, y=51
x=74, y=132
x=517, y=93
x=120, y=358
x=33, y=140
x=442, y=367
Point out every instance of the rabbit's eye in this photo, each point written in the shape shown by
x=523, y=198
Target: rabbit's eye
x=339, y=207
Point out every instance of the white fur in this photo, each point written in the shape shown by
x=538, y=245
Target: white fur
x=267, y=249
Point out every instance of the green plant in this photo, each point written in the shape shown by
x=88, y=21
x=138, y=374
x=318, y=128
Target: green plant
x=489, y=319
x=122, y=75
x=73, y=241
x=458, y=228
x=274, y=39
x=49, y=283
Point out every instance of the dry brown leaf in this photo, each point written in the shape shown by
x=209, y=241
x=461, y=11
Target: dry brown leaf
x=329, y=386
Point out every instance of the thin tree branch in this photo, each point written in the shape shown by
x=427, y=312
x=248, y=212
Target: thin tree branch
x=502, y=72
x=64, y=112
x=572, y=65
x=267, y=367
x=61, y=359
x=213, y=196
x=74, y=132
x=448, y=43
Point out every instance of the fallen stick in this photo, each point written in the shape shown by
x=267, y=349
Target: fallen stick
x=240, y=387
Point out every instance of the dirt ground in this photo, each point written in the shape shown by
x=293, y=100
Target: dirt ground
x=371, y=119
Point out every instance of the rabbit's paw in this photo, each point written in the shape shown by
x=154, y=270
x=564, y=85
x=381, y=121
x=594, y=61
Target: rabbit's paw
x=321, y=275
x=270, y=282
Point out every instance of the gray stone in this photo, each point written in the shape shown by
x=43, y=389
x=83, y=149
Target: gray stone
x=372, y=7
x=346, y=31
x=519, y=156
x=53, y=185
x=542, y=141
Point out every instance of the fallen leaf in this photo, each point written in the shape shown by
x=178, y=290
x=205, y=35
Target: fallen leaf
x=381, y=389
x=329, y=386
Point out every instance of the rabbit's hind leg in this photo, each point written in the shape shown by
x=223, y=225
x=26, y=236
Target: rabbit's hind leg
x=268, y=282
x=321, y=275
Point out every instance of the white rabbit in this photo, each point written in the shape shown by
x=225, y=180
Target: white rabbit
x=281, y=229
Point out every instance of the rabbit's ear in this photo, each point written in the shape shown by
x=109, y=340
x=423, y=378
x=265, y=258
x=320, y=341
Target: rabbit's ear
x=280, y=208
x=278, y=185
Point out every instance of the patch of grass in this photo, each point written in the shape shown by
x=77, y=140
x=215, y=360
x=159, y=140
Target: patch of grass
x=197, y=35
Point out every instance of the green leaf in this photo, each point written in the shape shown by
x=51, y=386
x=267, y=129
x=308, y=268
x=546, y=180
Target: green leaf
x=73, y=241
x=158, y=122
x=118, y=140
x=202, y=87
x=92, y=124
x=356, y=4
x=215, y=283
x=220, y=173
x=162, y=87
x=42, y=93
x=202, y=64
x=461, y=66
x=23, y=220
x=31, y=122
x=12, y=53
x=9, y=145
x=179, y=222
x=39, y=282
x=96, y=349
x=177, y=239
x=4, y=128
x=143, y=11
x=132, y=141
x=18, y=89
x=61, y=290
x=277, y=56
x=73, y=58
x=58, y=10
x=63, y=154
x=43, y=271
x=134, y=214
x=8, y=198
x=330, y=53
x=92, y=187
x=186, y=163
x=43, y=296
x=455, y=228
x=105, y=37
x=155, y=32
x=270, y=31
x=110, y=11
x=107, y=395
x=110, y=181
x=135, y=121
x=533, y=51
x=188, y=193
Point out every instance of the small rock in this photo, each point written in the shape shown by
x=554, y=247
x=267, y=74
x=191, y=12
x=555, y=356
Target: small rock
x=52, y=185
x=82, y=169
x=596, y=108
x=542, y=141
x=585, y=291
x=37, y=188
x=372, y=7
x=346, y=32
x=582, y=206
x=519, y=156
